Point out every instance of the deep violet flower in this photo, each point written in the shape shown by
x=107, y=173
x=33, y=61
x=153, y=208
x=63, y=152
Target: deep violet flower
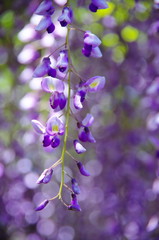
x=82, y=169
x=44, y=68
x=91, y=43
x=74, y=206
x=57, y=99
x=42, y=205
x=66, y=16
x=45, y=177
x=75, y=186
x=85, y=134
x=62, y=61
x=97, y=4
x=54, y=127
x=78, y=147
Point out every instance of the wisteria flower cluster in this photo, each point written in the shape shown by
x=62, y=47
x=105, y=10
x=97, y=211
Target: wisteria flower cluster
x=54, y=128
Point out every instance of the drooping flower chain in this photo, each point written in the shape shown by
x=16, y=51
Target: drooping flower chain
x=54, y=127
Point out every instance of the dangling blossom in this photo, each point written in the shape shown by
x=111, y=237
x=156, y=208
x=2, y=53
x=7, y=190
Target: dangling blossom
x=93, y=84
x=91, y=43
x=42, y=205
x=56, y=88
x=44, y=68
x=54, y=127
x=66, y=16
x=62, y=61
x=45, y=177
x=82, y=169
x=45, y=9
x=75, y=186
x=78, y=147
x=98, y=4
x=85, y=134
x=74, y=206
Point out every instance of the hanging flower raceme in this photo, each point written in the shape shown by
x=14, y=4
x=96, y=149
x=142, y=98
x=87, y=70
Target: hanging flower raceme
x=91, y=43
x=62, y=61
x=54, y=127
x=44, y=68
x=85, y=134
x=97, y=4
x=45, y=9
x=66, y=16
x=56, y=88
x=93, y=84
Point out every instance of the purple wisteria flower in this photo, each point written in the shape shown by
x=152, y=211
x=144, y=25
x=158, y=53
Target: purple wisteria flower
x=74, y=206
x=66, y=16
x=45, y=9
x=54, y=127
x=78, y=147
x=62, y=61
x=45, y=177
x=75, y=186
x=97, y=4
x=85, y=134
x=42, y=205
x=91, y=45
x=56, y=88
x=44, y=68
x=82, y=169
x=93, y=84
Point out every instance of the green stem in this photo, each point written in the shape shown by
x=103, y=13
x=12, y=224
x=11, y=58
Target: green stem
x=67, y=119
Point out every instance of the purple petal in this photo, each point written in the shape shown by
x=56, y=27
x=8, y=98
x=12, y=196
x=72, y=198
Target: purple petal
x=54, y=100
x=91, y=39
x=77, y=101
x=47, y=140
x=43, y=24
x=75, y=186
x=50, y=85
x=54, y=126
x=82, y=169
x=95, y=84
x=43, y=7
x=78, y=147
x=42, y=205
x=93, y=8
x=88, y=120
x=38, y=127
x=74, y=207
x=101, y=4
x=42, y=69
x=52, y=72
x=66, y=17
x=62, y=100
x=62, y=61
x=83, y=135
x=51, y=28
x=96, y=52
x=55, y=142
x=45, y=177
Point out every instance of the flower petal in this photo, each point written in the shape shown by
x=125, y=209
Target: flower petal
x=91, y=39
x=38, y=127
x=96, y=52
x=43, y=68
x=82, y=169
x=77, y=101
x=43, y=7
x=75, y=186
x=54, y=126
x=50, y=85
x=55, y=142
x=45, y=177
x=95, y=83
x=42, y=205
x=78, y=147
x=44, y=24
x=88, y=120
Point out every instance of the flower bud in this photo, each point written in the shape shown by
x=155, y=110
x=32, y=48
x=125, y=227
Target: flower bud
x=82, y=169
x=45, y=177
x=42, y=205
x=75, y=186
